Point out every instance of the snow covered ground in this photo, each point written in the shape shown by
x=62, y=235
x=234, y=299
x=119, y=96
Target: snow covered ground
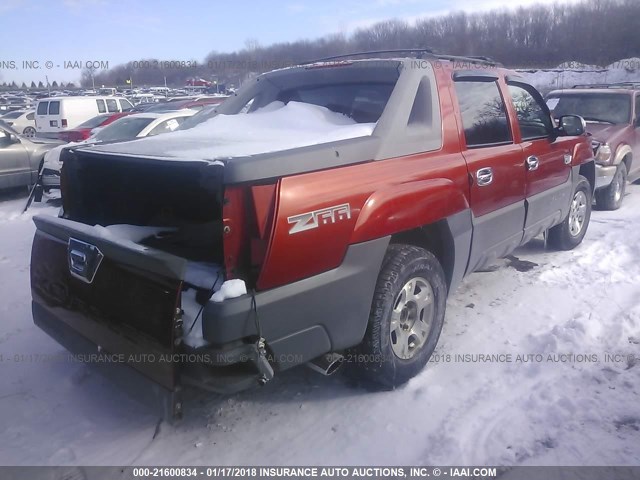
x=573, y=73
x=553, y=410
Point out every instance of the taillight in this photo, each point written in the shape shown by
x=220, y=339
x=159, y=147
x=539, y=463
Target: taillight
x=248, y=217
x=64, y=122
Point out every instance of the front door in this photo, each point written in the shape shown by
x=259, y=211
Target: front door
x=547, y=161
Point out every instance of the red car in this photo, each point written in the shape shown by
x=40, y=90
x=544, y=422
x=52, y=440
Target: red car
x=83, y=131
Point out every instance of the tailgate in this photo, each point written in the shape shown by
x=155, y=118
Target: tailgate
x=121, y=296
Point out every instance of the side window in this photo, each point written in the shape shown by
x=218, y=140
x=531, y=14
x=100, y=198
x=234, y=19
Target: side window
x=54, y=108
x=484, y=116
x=533, y=119
x=30, y=116
x=101, y=107
x=166, y=126
x=125, y=104
x=43, y=107
x=112, y=105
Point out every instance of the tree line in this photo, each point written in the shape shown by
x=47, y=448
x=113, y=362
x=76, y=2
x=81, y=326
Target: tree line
x=594, y=32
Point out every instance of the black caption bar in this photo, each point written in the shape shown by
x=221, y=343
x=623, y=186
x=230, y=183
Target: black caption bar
x=335, y=473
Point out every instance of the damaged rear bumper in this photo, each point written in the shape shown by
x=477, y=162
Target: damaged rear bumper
x=129, y=311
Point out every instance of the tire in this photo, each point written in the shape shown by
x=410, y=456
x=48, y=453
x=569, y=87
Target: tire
x=610, y=198
x=386, y=356
x=569, y=234
x=29, y=132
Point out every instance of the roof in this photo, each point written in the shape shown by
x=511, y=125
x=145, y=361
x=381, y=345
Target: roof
x=582, y=91
x=185, y=112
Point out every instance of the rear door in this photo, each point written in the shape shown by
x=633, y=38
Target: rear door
x=42, y=112
x=546, y=159
x=495, y=165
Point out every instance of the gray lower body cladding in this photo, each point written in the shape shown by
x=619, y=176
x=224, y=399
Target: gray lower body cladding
x=299, y=321
x=305, y=319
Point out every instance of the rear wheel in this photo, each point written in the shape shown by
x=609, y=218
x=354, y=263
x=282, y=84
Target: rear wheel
x=406, y=317
x=571, y=231
x=29, y=132
x=610, y=198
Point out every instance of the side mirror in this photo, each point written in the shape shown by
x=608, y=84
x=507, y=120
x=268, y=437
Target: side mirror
x=13, y=138
x=572, y=125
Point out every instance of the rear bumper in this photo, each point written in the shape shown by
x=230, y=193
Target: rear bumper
x=137, y=385
x=604, y=175
x=53, y=135
x=299, y=321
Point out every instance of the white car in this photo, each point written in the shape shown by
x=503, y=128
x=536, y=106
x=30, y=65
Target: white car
x=126, y=128
x=22, y=121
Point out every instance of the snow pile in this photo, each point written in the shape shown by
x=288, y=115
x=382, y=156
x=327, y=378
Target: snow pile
x=230, y=289
x=274, y=127
x=203, y=275
x=568, y=74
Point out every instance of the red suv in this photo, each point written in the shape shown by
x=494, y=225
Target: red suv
x=612, y=115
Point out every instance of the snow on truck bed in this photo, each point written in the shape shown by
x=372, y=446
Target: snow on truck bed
x=275, y=127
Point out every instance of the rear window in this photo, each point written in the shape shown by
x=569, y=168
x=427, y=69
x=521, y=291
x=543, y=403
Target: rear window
x=112, y=106
x=54, y=108
x=94, y=122
x=363, y=102
x=101, y=107
x=43, y=108
x=126, y=128
x=11, y=115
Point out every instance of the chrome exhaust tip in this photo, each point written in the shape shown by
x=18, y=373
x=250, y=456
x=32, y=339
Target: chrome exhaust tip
x=327, y=364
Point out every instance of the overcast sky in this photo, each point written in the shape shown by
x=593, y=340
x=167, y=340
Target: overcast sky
x=116, y=31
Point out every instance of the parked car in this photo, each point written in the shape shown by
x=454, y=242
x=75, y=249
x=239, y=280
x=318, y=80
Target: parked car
x=20, y=157
x=84, y=130
x=11, y=103
x=58, y=114
x=612, y=115
x=128, y=127
x=22, y=121
x=320, y=215
x=180, y=104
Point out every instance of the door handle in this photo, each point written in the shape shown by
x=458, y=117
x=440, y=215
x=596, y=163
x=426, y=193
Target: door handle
x=532, y=163
x=484, y=176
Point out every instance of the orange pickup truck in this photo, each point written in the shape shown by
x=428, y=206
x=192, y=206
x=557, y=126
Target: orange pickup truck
x=339, y=250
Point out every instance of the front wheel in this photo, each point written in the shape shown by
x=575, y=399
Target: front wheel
x=29, y=132
x=406, y=317
x=610, y=198
x=569, y=234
